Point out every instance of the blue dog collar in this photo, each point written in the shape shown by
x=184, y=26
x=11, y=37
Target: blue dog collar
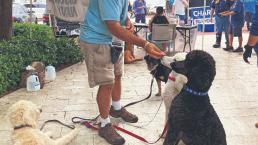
x=189, y=90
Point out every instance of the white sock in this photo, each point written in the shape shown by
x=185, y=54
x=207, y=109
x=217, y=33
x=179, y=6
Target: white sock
x=104, y=122
x=116, y=105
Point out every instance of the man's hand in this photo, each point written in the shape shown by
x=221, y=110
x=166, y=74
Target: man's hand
x=154, y=51
x=247, y=53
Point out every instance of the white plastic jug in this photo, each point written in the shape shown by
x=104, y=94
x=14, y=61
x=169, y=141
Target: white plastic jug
x=50, y=73
x=33, y=83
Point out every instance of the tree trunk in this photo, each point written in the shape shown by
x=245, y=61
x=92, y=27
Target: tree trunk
x=6, y=19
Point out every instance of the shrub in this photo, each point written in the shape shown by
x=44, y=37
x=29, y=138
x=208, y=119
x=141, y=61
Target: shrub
x=19, y=52
x=39, y=32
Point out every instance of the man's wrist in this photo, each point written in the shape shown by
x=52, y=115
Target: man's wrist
x=147, y=43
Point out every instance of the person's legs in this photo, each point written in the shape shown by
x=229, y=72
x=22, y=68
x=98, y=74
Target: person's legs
x=226, y=25
x=137, y=18
x=116, y=109
x=143, y=18
x=253, y=37
x=231, y=39
x=240, y=41
x=101, y=73
x=219, y=27
x=238, y=33
x=103, y=100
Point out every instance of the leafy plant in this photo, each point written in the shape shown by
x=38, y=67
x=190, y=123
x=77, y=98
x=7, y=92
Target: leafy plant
x=19, y=52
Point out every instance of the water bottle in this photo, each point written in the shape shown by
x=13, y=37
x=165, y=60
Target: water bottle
x=50, y=73
x=33, y=83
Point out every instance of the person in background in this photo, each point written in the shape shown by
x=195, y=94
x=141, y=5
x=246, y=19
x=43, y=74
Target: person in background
x=139, y=7
x=169, y=6
x=159, y=18
x=130, y=9
x=249, y=7
x=236, y=25
x=253, y=36
x=178, y=9
x=102, y=32
x=221, y=22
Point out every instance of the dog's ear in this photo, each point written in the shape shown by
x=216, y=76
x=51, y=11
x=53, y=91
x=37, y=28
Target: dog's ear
x=16, y=115
x=19, y=114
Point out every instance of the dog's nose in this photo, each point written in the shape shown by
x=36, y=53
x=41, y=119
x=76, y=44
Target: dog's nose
x=40, y=110
x=179, y=67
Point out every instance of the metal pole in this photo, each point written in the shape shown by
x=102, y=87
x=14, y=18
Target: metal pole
x=30, y=18
x=203, y=26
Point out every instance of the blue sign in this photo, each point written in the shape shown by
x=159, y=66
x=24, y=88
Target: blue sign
x=197, y=13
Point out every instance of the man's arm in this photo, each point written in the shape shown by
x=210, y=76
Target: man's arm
x=227, y=13
x=117, y=30
x=185, y=2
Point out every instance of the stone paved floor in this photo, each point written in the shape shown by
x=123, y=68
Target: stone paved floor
x=234, y=95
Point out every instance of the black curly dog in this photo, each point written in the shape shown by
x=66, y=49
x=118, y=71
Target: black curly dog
x=192, y=118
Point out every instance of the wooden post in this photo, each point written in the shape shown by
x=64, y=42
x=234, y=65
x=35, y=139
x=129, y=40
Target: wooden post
x=6, y=19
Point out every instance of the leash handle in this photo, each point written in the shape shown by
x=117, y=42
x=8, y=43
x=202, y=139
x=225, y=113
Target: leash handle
x=82, y=120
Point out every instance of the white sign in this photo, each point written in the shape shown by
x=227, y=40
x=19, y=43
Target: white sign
x=68, y=10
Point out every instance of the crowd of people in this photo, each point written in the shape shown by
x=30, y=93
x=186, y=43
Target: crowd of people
x=230, y=17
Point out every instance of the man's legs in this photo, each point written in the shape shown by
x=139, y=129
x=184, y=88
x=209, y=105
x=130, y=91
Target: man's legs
x=219, y=27
x=116, y=109
x=253, y=37
x=252, y=40
x=103, y=100
x=240, y=41
x=100, y=73
x=238, y=33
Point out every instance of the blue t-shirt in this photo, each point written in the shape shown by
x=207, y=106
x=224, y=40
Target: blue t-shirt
x=94, y=29
x=170, y=2
x=220, y=6
x=238, y=18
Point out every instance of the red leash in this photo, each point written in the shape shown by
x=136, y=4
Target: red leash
x=90, y=125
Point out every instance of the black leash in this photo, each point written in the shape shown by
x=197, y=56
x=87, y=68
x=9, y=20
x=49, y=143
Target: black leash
x=133, y=103
x=56, y=121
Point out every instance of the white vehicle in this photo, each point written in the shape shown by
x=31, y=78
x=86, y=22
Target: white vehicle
x=38, y=9
x=21, y=12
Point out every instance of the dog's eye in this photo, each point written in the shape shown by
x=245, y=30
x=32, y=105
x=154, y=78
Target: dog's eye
x=175, y=60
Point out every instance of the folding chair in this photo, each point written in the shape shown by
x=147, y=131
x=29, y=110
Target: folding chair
x=164, y=33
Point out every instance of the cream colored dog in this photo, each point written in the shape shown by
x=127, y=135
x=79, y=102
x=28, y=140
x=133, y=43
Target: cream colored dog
x=173, y=87
x=23, y=116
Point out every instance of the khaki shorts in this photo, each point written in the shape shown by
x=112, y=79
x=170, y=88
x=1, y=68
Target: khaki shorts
x=101, y=71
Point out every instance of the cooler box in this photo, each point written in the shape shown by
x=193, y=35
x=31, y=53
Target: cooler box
x=208, y=27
